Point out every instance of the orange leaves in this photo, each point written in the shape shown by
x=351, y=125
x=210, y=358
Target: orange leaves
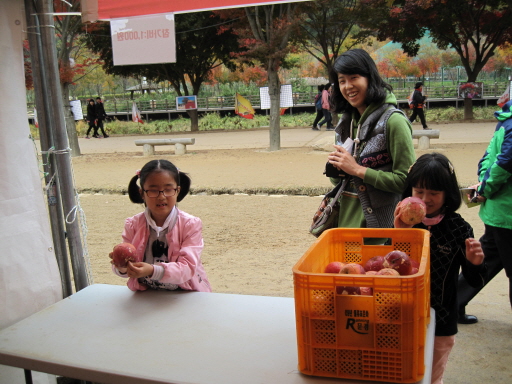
x=246, y=75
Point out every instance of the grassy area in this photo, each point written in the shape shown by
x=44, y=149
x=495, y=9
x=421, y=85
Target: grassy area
x=213, y=121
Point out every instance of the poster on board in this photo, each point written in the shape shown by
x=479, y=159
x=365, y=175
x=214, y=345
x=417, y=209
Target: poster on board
x=186, y=102
x=76, y=109
x=285, y=101
x=470, y=90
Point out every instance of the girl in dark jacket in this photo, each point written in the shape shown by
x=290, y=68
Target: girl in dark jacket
x=452, y=247
x=91, y=119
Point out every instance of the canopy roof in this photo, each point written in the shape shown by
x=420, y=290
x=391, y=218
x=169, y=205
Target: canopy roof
x=93, y=10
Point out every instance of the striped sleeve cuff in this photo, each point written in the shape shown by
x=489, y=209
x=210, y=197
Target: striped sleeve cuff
x=158, y=272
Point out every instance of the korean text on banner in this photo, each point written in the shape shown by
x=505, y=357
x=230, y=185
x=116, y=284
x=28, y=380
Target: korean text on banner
x=243, y=107
x=143, y=40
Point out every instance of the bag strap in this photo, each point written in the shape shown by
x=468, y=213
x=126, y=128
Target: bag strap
x=337, y=191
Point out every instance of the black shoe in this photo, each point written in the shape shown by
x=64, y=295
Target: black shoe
x=105, y=136
x=467, y=319
x=330, y=129
x=315, y=129
x=427, y=128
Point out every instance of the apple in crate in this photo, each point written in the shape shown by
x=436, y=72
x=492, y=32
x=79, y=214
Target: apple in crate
x=353, y=269
x=412, y=210
x=348, y=290
x=398, y=261
x=366, y=291
x=415, y=267
x=334, y=267
x=388, y=272
x=374, y=264
x=122, y=254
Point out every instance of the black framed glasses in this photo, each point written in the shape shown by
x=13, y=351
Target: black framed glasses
x=167, y=192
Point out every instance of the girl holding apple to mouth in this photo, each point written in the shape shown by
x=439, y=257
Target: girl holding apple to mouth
x=374, y=147
x=452, y=247
x=168, y=241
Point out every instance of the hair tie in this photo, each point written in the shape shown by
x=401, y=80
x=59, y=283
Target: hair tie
x=412, y=165
x=137, y=172
x=450, y=167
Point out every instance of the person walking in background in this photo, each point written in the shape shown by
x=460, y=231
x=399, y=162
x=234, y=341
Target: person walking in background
x=494, y=191
x=452, y=247
x=91, y=119
x=100, y=116
x=418, y=102
x=168, y=241
x=374, y=147
x=318, y=107
x=326, y=108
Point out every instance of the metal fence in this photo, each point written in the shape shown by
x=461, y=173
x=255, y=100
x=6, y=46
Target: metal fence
x=300, y=99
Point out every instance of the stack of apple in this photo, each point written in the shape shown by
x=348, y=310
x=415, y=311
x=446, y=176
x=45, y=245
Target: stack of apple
x=395, y=263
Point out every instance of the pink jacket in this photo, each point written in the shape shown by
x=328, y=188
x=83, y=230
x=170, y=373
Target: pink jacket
x=325, y=100
x=185, y=242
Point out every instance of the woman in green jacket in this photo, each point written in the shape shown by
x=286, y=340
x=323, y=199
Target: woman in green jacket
x=374, y=147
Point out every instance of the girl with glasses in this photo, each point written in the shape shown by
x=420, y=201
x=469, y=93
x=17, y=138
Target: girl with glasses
x=168, y=241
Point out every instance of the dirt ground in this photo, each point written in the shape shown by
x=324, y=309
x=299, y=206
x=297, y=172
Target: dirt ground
x=252, y=240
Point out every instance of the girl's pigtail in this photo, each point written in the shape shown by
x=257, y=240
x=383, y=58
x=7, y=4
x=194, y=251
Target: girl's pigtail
x=134, y=191
x=184, y=183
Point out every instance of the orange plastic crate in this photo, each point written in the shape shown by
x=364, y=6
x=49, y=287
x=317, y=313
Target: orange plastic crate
x=379, y=337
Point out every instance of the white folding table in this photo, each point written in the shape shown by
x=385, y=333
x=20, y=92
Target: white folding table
x=109, y=334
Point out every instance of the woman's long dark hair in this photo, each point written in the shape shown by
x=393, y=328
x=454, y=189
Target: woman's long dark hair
x=182, y=179
x=357, y=62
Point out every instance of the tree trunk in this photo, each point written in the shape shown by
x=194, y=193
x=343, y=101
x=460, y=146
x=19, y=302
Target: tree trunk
x=194, y=120
x=468, y=103
x=274, y=91
x=70, y=122
x=468, y=108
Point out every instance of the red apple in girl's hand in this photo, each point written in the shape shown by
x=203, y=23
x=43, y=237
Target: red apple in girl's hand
x=123, y=253
x=374, y=264
x=398, y=261
x=412, y=210
x=334, y=267
x=353, y=269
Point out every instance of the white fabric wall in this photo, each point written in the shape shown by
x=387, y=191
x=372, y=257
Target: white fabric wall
x=29, y=276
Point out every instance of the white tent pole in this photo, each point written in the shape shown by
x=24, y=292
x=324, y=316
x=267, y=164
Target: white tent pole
x=43, y=98
x=62, y=150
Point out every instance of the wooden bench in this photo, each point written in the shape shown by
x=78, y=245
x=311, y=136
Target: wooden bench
x=180, y=145
x=424, y=136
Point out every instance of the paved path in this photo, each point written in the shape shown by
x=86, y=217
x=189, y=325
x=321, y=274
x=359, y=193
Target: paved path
x=290, y=138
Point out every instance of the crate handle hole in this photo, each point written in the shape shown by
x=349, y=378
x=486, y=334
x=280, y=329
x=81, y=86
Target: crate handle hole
x=377, y=241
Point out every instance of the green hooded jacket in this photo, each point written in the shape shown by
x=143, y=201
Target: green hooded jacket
x=494, y=171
